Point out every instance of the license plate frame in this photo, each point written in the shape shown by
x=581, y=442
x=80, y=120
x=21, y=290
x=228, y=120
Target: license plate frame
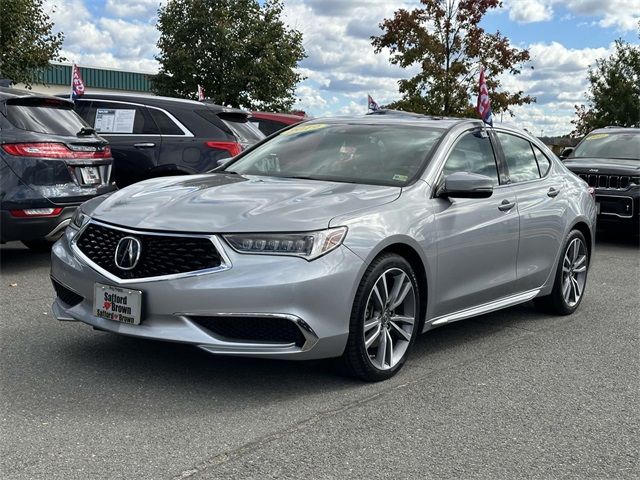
x=90, y=175
x=123, y=305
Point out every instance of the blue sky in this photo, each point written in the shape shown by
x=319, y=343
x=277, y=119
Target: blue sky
x=563, y=36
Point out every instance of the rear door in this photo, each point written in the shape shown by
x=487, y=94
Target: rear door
x=132, y=133
x=477, y=238
x=540, y=206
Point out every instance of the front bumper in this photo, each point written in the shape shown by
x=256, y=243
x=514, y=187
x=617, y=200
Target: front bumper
x=619, y=206
x=315, y=296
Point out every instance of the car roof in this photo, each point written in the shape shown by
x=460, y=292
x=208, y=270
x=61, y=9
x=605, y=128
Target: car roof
x=615, y=129
x=7, y=93
x=283, y=117
x=158, y=101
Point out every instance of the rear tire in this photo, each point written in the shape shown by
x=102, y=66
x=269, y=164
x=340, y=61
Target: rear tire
x=38, y=245
x=571, y=277
x=384, y=320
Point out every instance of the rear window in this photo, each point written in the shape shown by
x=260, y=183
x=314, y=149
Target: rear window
x=45, y=117
x=246, y=132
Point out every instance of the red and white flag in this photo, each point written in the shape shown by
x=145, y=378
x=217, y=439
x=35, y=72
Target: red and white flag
x=200, y=93
x=77, y=84
x=484, y=105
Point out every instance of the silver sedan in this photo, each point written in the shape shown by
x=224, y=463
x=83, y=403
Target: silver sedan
x=335, y=238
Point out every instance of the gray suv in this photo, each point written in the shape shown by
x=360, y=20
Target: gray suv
x=334, y=238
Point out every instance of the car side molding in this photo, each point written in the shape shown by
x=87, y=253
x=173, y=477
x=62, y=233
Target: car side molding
x=486, y=308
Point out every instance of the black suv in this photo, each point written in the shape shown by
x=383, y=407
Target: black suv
x=158, y=136
x=50, y=162
x=608, y=159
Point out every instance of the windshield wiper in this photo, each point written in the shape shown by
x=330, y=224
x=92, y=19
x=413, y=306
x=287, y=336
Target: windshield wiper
x=86, y=131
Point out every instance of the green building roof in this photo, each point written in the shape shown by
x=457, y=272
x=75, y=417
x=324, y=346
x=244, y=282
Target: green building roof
x=58, y=74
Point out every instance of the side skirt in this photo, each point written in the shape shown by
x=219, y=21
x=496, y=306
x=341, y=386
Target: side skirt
x=485, y=308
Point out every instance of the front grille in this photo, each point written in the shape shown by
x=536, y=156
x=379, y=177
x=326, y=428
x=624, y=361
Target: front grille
x=66, y=296
x=253, y=329
x=159, y=254
x=616, y=182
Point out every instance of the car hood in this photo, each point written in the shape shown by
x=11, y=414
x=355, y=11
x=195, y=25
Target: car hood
x=613, y=166
x=215, y=203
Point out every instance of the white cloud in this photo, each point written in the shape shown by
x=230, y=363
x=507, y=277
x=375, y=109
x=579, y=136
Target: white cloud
x=620, y=14
x=132, y=8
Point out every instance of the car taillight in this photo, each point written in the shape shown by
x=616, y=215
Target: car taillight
x=55, y=150
x=36, y=212
x=234, y=148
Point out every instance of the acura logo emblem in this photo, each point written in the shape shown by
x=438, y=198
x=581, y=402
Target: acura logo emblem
x=127, y=253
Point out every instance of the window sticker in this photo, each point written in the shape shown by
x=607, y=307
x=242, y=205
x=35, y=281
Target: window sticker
x=597, y=136
x=112, y=120
x=400, y=178
x=305, y=129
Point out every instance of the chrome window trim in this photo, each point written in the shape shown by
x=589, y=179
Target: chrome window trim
x=185, y=130
x=224, y=265
x=311, y=338
x=616, y=214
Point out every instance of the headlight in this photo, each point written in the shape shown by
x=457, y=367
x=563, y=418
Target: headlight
x=79, y=219
x=308, y=245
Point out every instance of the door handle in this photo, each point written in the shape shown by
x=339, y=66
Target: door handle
x=553, y=192
x=506, y=205
x=144, y=145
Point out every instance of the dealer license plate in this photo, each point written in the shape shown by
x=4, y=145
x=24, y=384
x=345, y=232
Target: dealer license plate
x=90, y=175
x=117, y=304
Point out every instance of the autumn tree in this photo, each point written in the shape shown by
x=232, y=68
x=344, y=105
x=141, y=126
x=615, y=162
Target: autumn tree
x=240, y=51
x=613, y=97
x=444, y=39
x=27, y=43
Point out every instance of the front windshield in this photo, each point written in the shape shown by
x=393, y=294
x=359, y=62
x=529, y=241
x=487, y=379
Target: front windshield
x=354, y=153
x=610, y=145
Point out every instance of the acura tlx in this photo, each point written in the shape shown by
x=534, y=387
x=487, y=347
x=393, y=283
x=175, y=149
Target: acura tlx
x=334, y=238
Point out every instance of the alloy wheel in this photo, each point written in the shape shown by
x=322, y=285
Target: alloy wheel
x=574, y=271
x=390, y=317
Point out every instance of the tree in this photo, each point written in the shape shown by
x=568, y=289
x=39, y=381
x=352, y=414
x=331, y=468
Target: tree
x=240, y=51
x=443, y=38
x=614, y=92
x=27, y=44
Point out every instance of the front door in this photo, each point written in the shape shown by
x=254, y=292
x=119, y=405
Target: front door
x=477, y=239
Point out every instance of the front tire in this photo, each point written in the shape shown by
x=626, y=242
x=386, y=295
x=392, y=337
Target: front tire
x=384, y=320
x=571, y=277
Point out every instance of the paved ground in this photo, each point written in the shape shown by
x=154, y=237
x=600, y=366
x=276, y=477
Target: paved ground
x=515, y=394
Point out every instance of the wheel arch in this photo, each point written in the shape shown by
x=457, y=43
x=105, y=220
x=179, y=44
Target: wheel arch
x=411, y=255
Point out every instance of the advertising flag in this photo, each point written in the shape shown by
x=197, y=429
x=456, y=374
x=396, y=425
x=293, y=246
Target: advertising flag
x=77, y=85
x=200, y=93
x=484, y=105
x=372, y=104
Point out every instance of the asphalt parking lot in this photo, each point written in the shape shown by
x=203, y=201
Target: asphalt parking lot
x=514, y=394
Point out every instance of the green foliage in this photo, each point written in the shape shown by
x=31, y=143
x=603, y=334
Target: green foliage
x=614, y=92
x=444, y=39
x=26, y=41
x=240, y=51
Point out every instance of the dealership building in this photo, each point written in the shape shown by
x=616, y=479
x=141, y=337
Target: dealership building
x=57, y=79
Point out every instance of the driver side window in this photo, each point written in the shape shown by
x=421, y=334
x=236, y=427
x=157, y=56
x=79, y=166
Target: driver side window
x=472, y=154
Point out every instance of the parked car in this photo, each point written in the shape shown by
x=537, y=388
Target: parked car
x=270, y=123
x=608, y=159
x=50, y=162
x=335, y=238
x=159, y=136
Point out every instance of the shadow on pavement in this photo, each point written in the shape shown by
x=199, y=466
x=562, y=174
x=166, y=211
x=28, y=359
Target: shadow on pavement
x=14, y=257
x=618, y=236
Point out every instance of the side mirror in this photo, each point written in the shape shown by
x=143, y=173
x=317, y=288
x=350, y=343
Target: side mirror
x=566, y=152
x=467, y=185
